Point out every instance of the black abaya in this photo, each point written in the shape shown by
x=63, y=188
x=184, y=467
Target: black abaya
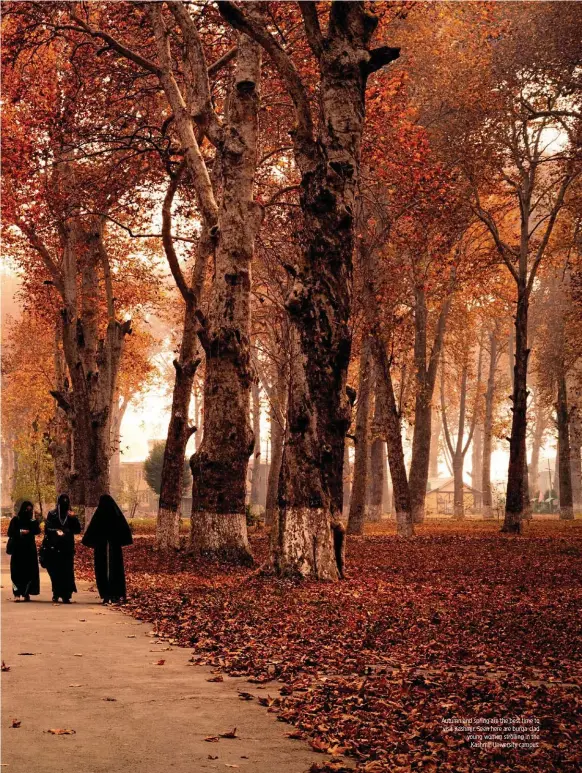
x=24, y=559
x=107, y=533
x=61, y=553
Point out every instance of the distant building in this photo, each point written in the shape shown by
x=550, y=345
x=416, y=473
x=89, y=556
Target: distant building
x=440, y=497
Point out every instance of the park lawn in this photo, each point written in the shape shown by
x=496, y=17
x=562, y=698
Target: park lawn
x=459, y=622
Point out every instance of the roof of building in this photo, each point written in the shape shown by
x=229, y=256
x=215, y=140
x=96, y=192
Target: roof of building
x=438, y=484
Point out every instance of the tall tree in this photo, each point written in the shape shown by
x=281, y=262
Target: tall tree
x=327, y=153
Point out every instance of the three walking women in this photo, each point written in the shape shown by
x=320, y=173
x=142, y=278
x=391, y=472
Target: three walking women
x=108, y=532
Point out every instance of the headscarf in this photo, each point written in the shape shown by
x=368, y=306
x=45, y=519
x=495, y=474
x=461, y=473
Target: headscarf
x=108, y=524
x=63, y=507
x=23, y=513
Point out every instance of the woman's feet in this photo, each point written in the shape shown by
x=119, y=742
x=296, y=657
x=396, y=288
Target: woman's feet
x=55, y=599
x=66, y=601
x=26, y=598
x=105, y=602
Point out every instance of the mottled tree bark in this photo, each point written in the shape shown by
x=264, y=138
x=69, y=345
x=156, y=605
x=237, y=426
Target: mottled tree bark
x=219, y=467
x=357, y=514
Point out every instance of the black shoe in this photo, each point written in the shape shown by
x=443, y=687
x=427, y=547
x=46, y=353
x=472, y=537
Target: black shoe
x=27, y=598
x=66, y=601
x=105, y=602
x=55, y=599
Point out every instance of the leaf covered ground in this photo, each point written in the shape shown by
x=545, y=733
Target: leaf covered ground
x=460, y=622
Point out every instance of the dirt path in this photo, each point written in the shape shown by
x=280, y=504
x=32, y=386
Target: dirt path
x=93, y=671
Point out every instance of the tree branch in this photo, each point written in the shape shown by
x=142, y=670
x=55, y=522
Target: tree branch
x=312, y=28
x=117, y=45
x=37, y=243
x=254, y=29
x=167, y=239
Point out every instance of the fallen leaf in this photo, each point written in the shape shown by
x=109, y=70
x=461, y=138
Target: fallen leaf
x=230, y=734
x=159, y=662
x=212, y=756
x=61, y=731
x=75, y=685
x=15, y=723
x=78, y=655
x=4, y=667
x=246, y=696
x=110, y=699
x=131, y=636
x=218, y=678
x=296, y=734
x=27, y=653
x=212, y=739
x=226, y=765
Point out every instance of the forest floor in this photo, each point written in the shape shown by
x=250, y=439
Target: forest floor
x=460, y=623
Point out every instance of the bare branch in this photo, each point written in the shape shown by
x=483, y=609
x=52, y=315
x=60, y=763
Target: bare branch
x=254, y=29
x=116, y=45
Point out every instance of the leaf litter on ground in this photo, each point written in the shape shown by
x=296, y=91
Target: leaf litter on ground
x=459, y=622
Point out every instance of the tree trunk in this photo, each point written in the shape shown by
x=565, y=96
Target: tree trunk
x=565, y=470
x=477, y=466
x=256, y=474
x=219, y=467
x=93, y=363
x=179, y=432
x=539, y=429
x=425, y=375
x=357, y=514
x=527, y=506
x=277, y=418
x=433, y=464
x=458, y=495
x=311, y=485
x=377, y=462
x=488, y=429
x=514, y=503
x=347, y=480
x=59, y=430
x=557, y=470
x=576, y=457
x=402, y=503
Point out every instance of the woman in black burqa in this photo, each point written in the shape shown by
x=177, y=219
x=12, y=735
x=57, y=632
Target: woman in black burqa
x=59, y=550
x=22, y=550
x=107, y=533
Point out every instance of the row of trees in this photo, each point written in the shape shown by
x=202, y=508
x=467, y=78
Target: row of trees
x=307, y=188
